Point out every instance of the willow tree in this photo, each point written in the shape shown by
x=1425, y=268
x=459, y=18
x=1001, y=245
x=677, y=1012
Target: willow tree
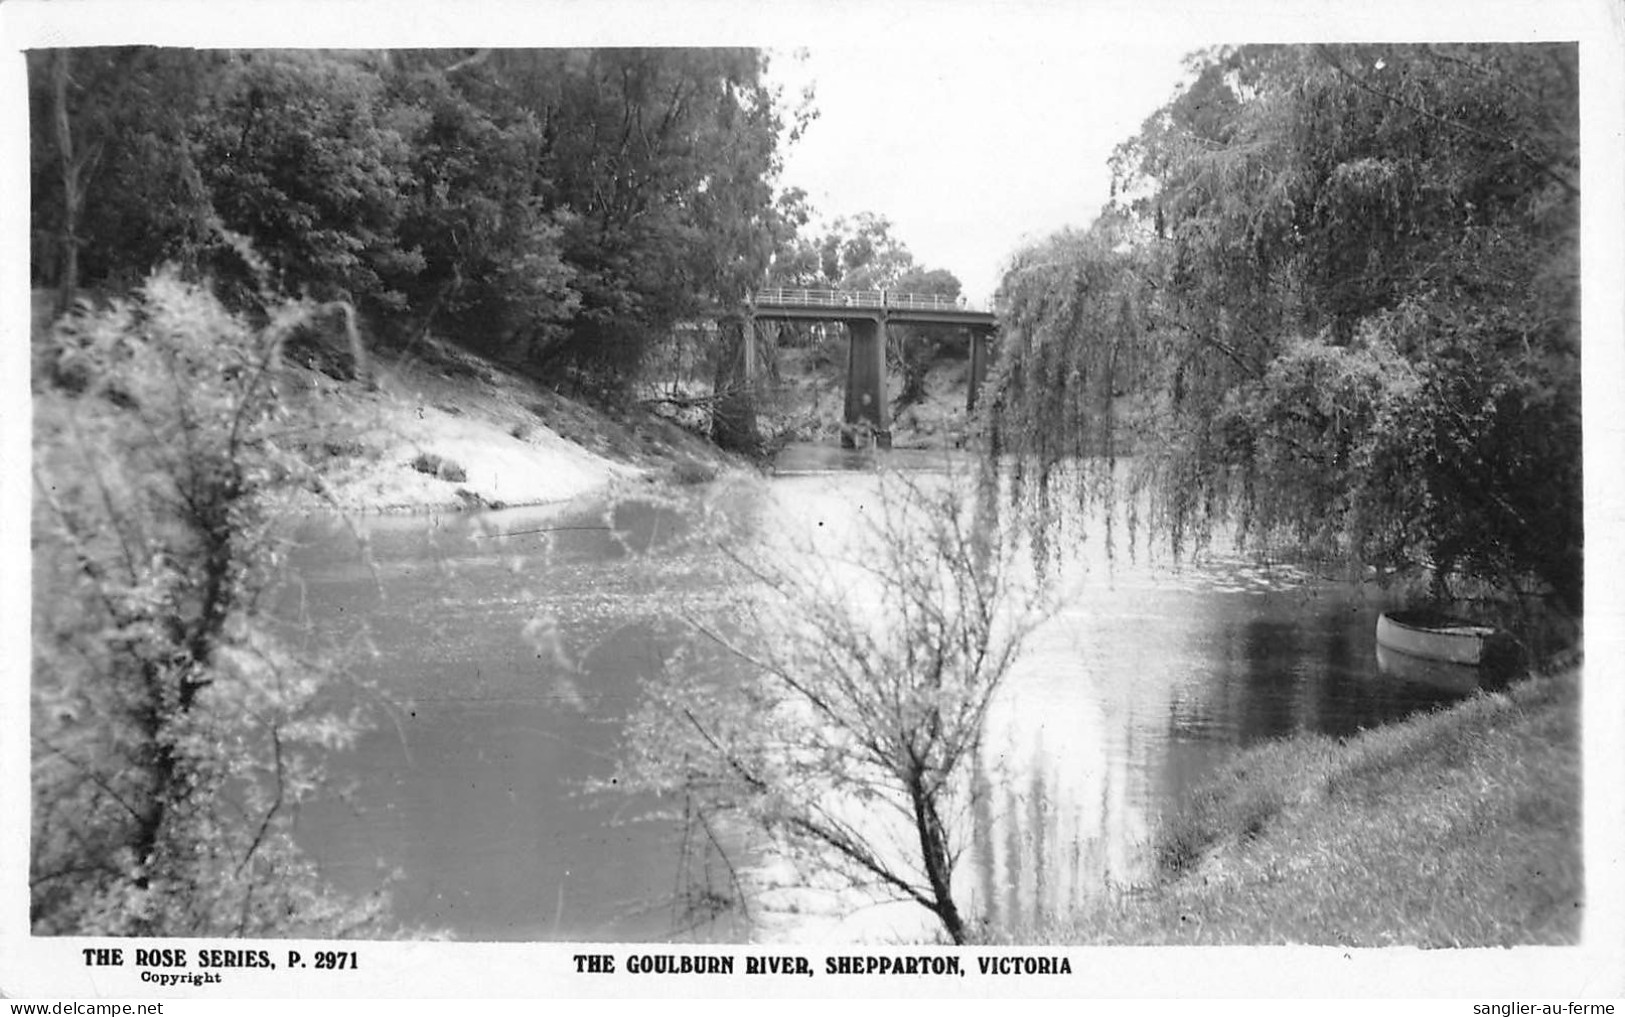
x=1336, y=293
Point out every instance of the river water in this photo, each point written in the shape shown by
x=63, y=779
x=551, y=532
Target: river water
x=510, y=648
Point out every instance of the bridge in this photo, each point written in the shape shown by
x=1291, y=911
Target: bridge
x=866, y=313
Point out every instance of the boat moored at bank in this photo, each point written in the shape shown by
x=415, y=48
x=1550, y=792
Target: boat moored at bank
x=1436, y=636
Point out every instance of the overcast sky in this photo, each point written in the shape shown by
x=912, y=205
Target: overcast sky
x=971, y=150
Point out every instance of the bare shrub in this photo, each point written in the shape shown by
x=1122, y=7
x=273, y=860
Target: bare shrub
x=871, y=666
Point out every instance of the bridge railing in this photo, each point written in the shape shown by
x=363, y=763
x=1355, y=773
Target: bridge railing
x=922, y=302
x=783, y=297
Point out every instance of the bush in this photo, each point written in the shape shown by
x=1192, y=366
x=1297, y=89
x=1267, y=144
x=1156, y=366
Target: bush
x=436, y=466
x=173, y=736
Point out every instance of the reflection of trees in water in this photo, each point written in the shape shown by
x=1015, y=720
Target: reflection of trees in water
x=1055, y=822
x=1271, y=676
x=1067, y=824
x=1287, y=667
x=1065, y=789
x=985, y=899
x=710, y=896
x=1040, y=816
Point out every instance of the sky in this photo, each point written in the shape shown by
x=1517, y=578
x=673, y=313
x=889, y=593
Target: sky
x=970, y=151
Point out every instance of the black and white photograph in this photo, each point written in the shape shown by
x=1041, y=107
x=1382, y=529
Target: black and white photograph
x=869, y=499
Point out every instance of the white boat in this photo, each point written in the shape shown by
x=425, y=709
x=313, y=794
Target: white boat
x=1434, y=636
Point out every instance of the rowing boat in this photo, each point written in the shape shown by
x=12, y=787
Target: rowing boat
x=1434, y=636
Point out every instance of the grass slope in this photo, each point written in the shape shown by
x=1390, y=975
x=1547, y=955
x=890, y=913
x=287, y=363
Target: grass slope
x=1453, y=829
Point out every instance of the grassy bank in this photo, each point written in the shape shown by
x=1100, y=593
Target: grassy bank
x=1455, y=828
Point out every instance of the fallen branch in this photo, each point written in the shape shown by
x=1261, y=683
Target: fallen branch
x=687, y=402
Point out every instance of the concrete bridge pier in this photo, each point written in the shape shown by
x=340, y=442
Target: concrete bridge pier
x=980, y=348
x=866, y=406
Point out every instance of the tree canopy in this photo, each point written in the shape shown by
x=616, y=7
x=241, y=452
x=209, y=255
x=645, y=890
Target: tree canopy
x=1334, y=299
x=563, y=207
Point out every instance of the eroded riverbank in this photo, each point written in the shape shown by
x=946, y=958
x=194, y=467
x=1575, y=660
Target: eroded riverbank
x=441, y=429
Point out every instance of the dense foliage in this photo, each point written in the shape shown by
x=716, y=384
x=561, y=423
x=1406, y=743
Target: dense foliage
x=1335, y=301
x=174, y=738
x=563, y=207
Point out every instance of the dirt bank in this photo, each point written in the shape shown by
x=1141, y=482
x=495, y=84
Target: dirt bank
x=443, y=428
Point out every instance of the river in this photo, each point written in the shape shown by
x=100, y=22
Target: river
x=509, y=649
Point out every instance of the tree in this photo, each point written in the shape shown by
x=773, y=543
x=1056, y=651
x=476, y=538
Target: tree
x=913, y=349
x=664, y=160
x=871, y=667
x=747, y=354
x=302, y=153
x=860, y=253
x=493, y=264
x=173, y=736
x=111, y=162
x=566, y=207
x=181, y=151
x=1344, y=280
x=73, y=181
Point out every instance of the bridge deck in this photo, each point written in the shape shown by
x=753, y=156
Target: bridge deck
x=924, y=308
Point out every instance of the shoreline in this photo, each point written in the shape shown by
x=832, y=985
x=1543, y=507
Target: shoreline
x=1454, y=828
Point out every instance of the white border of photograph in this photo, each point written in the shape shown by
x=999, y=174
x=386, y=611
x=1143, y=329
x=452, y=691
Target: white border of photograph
x=39, y=967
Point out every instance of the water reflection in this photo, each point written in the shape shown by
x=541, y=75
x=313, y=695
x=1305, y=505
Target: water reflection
x=1459, y=679
x=802, y=460
x=1151, y=679
x=515, y=642
x=512, y=645
x=1063, y=798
